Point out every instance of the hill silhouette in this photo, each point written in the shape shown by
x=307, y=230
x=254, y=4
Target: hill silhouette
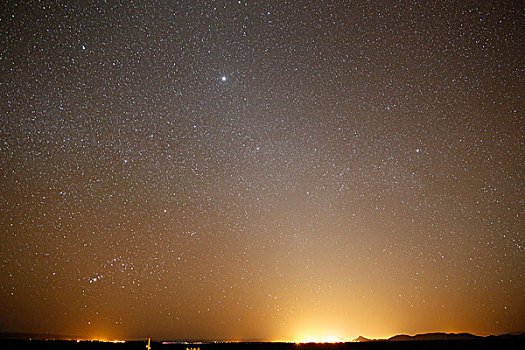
x=362, y=339
x=441, y=337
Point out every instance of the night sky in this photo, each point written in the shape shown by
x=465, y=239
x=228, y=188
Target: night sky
x=275, y=170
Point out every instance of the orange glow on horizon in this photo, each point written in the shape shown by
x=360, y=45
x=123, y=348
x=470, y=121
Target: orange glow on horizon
x=101, y=340
x=320, y=340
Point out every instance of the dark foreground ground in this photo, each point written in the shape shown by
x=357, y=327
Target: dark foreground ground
x=447, y=345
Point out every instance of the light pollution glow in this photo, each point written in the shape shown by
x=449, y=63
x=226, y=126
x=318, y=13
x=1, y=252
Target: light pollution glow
x=312, y=171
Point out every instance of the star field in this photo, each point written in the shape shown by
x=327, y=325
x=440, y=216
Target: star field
x=261, y=169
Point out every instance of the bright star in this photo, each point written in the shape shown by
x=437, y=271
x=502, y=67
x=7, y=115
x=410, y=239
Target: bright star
x=224, y=78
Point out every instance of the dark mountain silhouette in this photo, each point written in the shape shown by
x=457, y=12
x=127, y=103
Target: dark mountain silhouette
x=435, y=336
x=441, y=336
x=362, y=339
